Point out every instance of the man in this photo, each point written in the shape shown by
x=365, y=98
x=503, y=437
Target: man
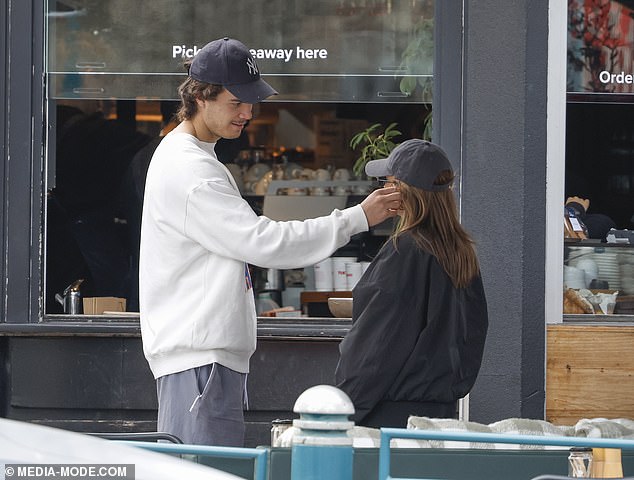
x=198, y=319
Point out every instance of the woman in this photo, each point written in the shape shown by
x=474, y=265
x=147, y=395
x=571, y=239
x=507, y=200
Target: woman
x=419, y=312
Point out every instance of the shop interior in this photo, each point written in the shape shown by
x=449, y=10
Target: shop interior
x=599, y=269
x=599, y=153
x=100, y=149
x=112, y=77
x=98, y=154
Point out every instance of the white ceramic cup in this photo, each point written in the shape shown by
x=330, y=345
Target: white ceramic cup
x=354, y=270
x=319, y=191
x=340, y=278
x=323, y=275
x=340, y=191
x=307, y=174
x=341, y=174
x=322, y=174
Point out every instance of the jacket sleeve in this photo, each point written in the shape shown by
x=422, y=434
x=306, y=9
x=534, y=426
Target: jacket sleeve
x=223, y=222
x=385, y=330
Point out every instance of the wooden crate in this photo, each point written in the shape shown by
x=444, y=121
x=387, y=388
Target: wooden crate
x=590, y=372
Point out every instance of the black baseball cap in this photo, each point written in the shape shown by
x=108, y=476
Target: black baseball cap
x=229, y=63
x=416, y=162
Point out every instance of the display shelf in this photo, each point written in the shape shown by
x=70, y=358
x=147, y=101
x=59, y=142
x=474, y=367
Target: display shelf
x=603, y=269
x=276, y=185
x=591, y=242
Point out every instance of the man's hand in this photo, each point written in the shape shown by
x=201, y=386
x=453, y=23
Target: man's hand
x=381, y=204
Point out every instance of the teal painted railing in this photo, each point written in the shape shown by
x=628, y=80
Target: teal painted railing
x=388, y=434
x=258, y=454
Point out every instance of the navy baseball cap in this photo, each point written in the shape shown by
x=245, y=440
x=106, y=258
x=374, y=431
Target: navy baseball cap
x=229, y=63
x=416, y=162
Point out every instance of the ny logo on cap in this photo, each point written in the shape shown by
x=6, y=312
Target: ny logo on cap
x=251, y=65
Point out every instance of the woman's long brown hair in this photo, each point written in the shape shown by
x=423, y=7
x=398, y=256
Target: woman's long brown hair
x=432, y=219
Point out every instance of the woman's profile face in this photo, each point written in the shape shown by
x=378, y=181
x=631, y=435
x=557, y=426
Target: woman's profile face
x=392, y=182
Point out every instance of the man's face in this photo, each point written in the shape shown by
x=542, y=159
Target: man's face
x=224, y=117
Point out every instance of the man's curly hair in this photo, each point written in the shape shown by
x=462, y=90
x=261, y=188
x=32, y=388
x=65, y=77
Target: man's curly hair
x=191, y=90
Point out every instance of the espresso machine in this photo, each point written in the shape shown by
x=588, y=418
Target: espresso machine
x=271, y=281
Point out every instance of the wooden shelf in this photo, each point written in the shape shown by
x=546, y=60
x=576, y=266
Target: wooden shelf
x=316, y=303
x=322, y=297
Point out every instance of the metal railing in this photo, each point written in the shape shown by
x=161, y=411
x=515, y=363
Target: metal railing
x=137, y=436
x=258, y=454
x=387, y=434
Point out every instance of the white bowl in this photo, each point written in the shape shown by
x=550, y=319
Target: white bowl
x=340, y=307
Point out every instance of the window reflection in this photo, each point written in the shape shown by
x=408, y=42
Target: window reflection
x=87, y=234
x=112, y=77
x=330, y=51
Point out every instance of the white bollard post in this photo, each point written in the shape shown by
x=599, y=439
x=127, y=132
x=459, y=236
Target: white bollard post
x=322, y=449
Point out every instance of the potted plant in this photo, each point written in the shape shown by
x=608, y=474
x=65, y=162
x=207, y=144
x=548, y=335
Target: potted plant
x=376, y=143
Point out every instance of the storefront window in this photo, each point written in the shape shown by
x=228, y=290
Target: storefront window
x=112, y=74
x=600, y=153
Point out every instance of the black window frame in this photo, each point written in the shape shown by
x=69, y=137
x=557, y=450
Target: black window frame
x=22, y=174
x=26, y=126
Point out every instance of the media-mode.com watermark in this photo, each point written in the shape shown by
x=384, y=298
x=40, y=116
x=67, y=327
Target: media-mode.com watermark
x=70, y=471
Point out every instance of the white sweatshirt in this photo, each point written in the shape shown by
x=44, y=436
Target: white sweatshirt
x=197, y=236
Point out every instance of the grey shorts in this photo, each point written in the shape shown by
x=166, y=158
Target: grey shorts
x=203, y=405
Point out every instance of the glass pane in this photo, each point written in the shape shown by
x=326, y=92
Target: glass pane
x=113, y=68
x=334, y=50
x=600, y=45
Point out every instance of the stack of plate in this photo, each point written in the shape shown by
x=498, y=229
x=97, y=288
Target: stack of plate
x=605, y=259
x=608, y=265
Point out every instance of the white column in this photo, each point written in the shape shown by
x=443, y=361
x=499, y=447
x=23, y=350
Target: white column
x=556, y=158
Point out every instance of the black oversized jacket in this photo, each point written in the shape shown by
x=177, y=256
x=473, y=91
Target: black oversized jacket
x=415, y=337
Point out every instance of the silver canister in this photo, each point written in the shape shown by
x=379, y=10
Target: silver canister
x=274, y=279
x=73, y=303
x=580, y=462
x=71, y=299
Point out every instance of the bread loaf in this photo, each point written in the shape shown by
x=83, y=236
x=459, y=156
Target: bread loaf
x=574, y=303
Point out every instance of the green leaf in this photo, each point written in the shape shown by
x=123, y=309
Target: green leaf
x=375, y=142
x=354, y=141
x=408, y=85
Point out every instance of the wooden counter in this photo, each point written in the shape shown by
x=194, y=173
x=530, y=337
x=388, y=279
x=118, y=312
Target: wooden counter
x=590, y=372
